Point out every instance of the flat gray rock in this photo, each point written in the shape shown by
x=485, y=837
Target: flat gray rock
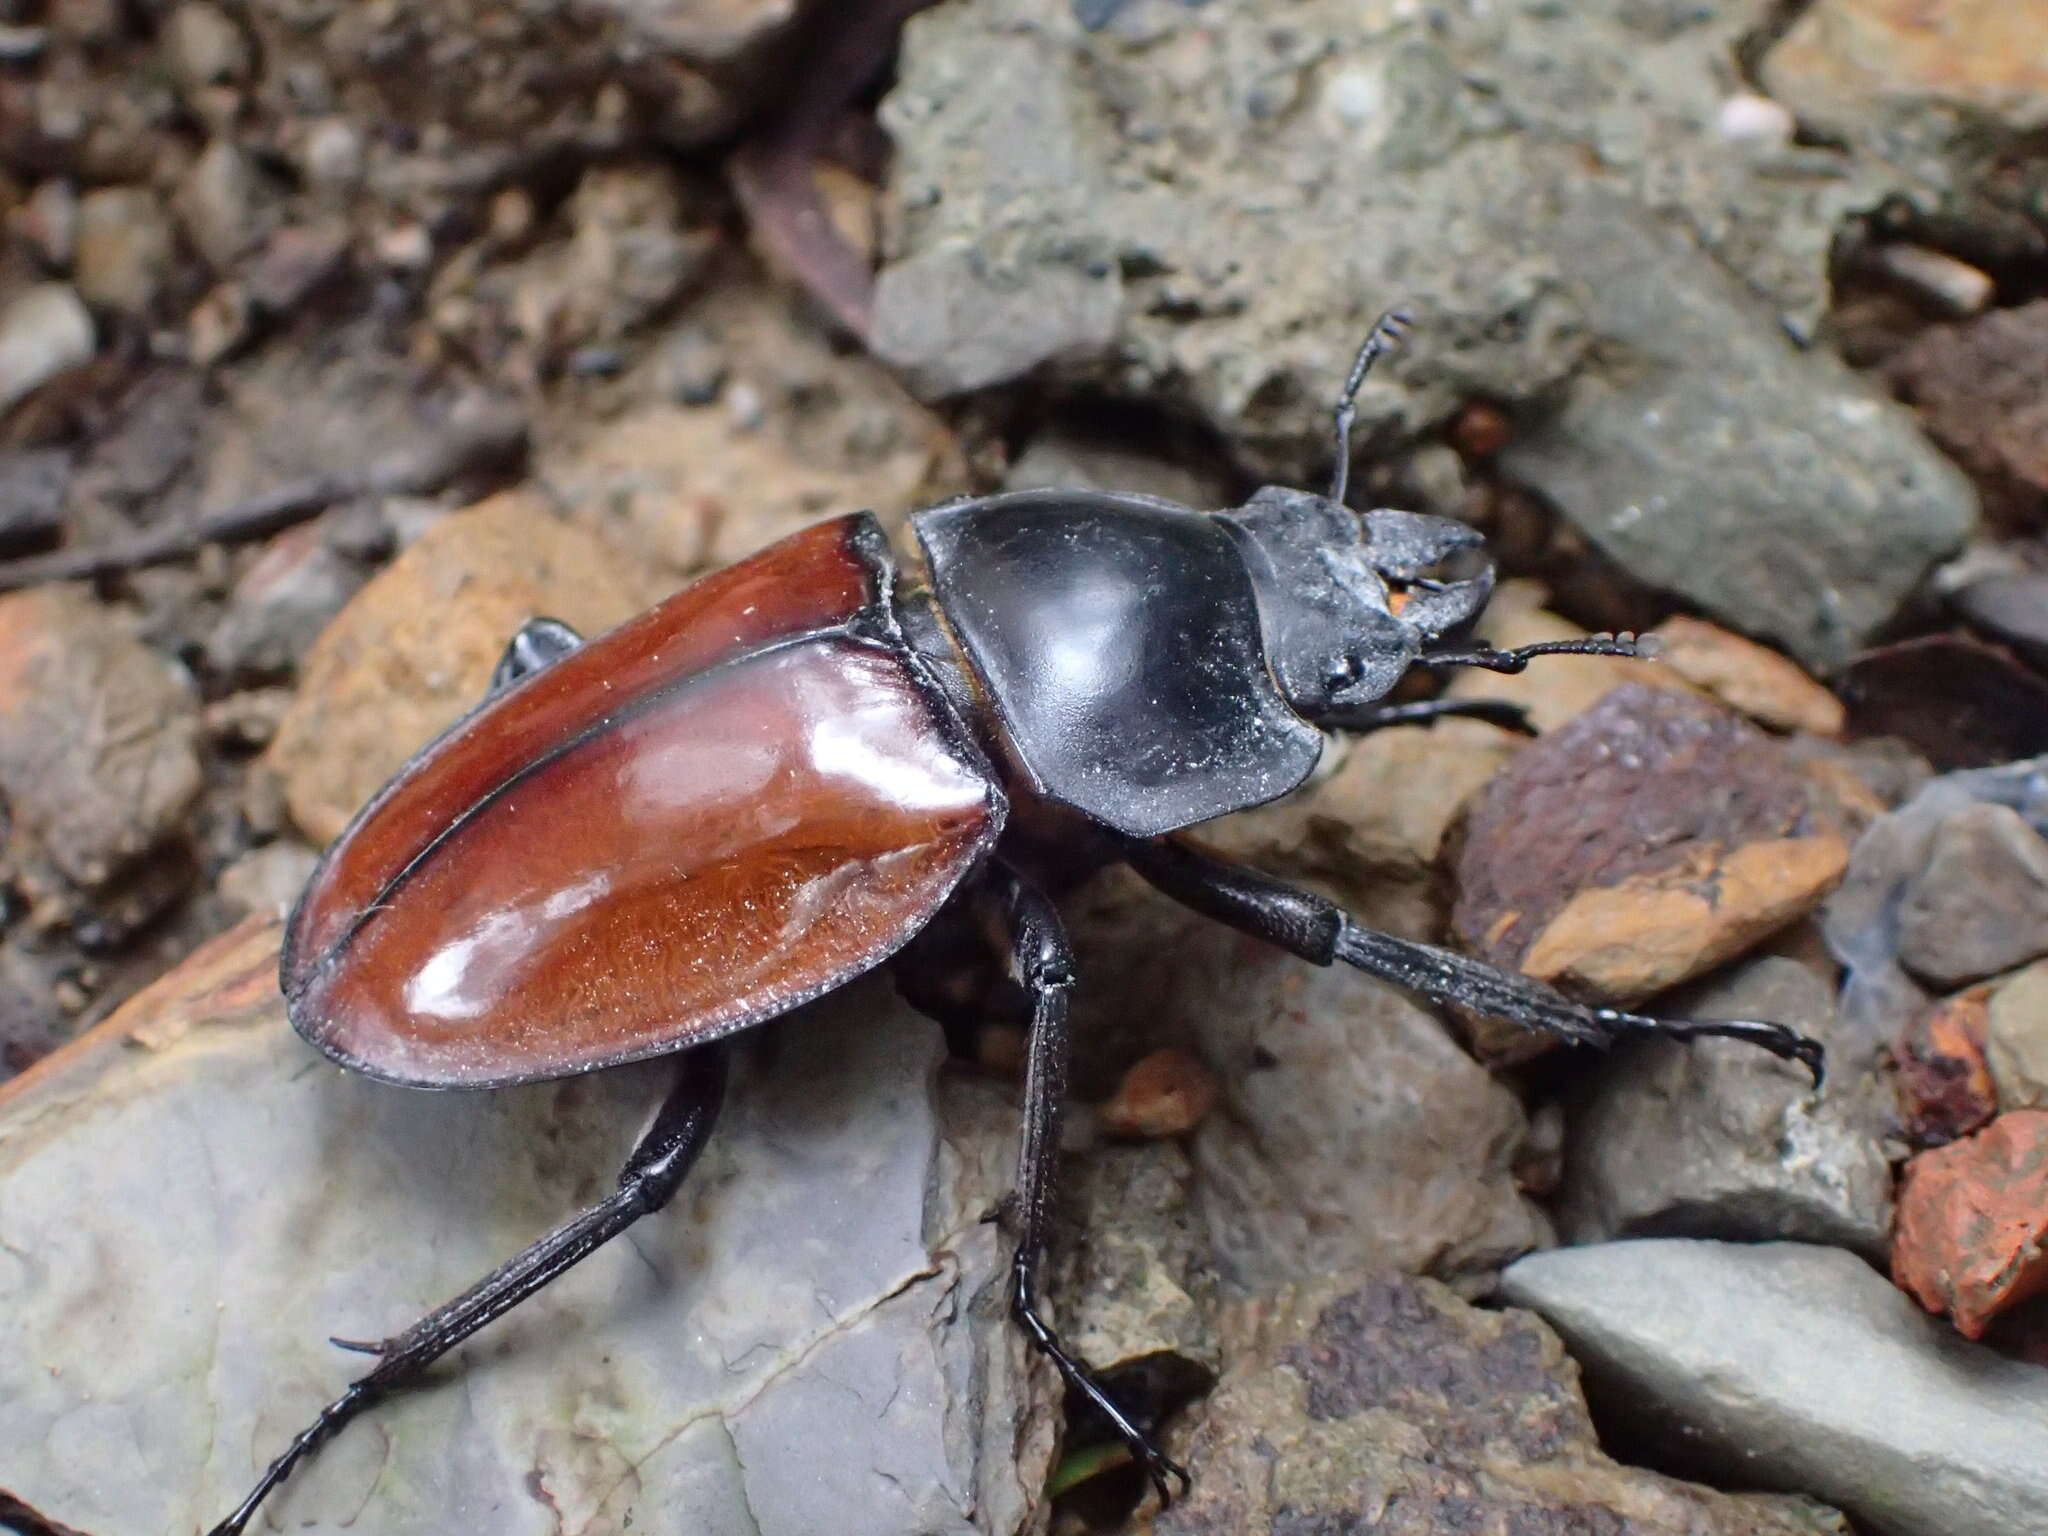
x=1713, y=1139
x=811, y=1338
x=1708, y=456
x=1801, y=1368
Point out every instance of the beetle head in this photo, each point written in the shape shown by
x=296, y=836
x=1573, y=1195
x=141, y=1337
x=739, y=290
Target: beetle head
x=1348, y=600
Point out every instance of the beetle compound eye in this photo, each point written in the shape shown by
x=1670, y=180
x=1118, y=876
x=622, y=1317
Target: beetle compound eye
x=1344, y=673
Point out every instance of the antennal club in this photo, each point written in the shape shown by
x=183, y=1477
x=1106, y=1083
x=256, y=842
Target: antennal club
x=1388, y=331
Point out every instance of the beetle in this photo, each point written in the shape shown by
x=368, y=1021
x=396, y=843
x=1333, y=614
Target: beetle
x=812, y=762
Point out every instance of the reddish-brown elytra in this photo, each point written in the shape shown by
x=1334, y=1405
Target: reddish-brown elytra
x=727, y=806
x=787, y=773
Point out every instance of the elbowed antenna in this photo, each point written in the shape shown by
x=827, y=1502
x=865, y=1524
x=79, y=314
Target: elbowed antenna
x=1387, y=331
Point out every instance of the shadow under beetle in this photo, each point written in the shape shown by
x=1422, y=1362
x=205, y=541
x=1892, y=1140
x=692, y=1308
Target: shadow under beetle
x=819, y=759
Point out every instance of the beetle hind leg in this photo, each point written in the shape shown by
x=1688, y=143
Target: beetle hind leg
x=1045, y=965
x=654, y=1171
x=1322, y=932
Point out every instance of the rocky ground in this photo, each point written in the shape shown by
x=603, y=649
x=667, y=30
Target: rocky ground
x=338, y=340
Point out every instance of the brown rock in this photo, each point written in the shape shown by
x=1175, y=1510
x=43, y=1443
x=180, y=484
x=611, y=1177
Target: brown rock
x=1972, y=1235
x=1388, y=1405
x=1652, y=838
x=1630, y=941
x=1374, y=830
x=1168, y=1093
x=1982, y=56
x=1753, y=678
x=1982, y=389
x=98, y=734
x=1961, y=703
x=415, y=648
x=1979, y=905
x=1940, y=1073
x=2016, y=1039
x=1555, y=689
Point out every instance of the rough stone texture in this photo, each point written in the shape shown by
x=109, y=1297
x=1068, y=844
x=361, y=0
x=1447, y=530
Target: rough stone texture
x=1714, y=1139
x=1983, y=55
x=1747, y=676
x=1644, y=456
x=812, y=1337
x=1860, y=921
x=2016, y=1039
x=1388, y=1405
x=1785, y=1366
x=1652, y=838
x=1982, y=389
x=1940, y=1072
x=1980, y=904
x=1108, y=195
x=99, y=735
x=1132, y=1274
x=1973, y=1222
x=415, y=649
x=1351, y=1126
x=796, y=431
x=1946, y=99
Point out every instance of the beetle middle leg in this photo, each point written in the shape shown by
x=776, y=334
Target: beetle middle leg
x=1323, y=932
x=1045, y=965
x=1373, y=717
x=536, y=643
x=654, y=1171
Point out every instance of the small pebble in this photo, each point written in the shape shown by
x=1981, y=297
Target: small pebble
x=1168, y=1093
x=1747, y=118
x=44, y=330
x=1956, y=286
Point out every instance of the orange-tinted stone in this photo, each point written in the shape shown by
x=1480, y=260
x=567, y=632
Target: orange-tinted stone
x=1972, y=1232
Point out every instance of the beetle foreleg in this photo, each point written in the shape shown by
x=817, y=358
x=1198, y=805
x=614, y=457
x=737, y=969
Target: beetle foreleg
x=654, y=1171
x=1373, y=717
x=538, y=642
x=1320, y=931
x=1045, y=965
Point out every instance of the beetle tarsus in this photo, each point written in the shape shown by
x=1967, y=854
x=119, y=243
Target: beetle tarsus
x=653, y=1172
x=1162, y=1469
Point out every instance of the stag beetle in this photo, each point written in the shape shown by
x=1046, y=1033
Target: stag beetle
x=785, y=774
